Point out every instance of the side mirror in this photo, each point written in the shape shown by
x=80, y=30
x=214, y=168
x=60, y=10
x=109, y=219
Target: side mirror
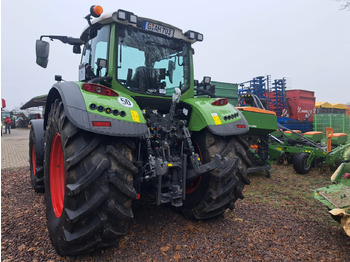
x=42, y=53
x=76, y=49
x=101, y=64
x=58, y=78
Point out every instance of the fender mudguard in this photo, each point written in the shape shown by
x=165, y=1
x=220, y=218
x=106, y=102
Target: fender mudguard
x=222, y=120
x=78, y=111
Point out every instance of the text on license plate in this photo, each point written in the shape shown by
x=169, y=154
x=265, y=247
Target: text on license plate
x=169, y=32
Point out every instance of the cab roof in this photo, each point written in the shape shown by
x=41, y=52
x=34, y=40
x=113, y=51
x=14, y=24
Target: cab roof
x=128, y=18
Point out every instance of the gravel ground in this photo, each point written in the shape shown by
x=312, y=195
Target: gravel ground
x=254, y=231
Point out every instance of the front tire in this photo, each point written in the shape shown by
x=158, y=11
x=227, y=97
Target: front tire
x=88, y=185
x=214, y=192
x=36, y=156
x=300, y=163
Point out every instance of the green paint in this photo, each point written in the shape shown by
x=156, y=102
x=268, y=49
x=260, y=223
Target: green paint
x=336, y=195
x=204, y=113
x=260, y=123
x=132, y=113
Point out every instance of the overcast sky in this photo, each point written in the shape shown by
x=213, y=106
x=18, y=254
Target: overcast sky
x=306, y=41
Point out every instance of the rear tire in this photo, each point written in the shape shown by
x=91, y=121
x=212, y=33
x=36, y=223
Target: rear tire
x=88, y=184
x=219, y=189
x=300, y=163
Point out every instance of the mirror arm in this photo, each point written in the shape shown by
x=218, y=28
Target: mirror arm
x=64, y=39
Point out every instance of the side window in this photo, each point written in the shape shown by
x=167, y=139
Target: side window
x=95, y=48
x=101, y=51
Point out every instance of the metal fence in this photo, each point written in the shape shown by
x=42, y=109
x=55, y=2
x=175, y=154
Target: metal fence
x=339, y=122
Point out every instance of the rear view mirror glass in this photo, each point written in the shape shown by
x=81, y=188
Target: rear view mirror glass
x=42, y=53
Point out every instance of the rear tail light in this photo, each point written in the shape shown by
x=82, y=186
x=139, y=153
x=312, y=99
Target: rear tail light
x=240, y=126
x=98, y=89
x=220, y=102
x=101, y=123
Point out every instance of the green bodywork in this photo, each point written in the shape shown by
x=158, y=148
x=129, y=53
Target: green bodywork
x=204, y=113
x=293, y=136
x=312, y=148
x=314, y=137
x=227, y=90
x=339, y=140
x=133, y=113
x=336, y=195
x=330, y=158
x=260, y=123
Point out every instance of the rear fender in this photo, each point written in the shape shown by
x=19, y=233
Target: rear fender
x=77, y=107
x=223, y=120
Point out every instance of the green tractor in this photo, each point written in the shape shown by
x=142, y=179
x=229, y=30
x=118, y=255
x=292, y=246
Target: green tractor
x=132, y=127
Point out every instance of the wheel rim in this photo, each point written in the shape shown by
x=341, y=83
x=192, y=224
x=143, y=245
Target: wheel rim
x=33, y=159
x=306, y=166
x=193, y=185
x=57, y=176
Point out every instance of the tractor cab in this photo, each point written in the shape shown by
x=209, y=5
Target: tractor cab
x=135, y=55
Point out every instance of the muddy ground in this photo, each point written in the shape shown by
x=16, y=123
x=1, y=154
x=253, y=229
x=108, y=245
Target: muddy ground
x=271, y=224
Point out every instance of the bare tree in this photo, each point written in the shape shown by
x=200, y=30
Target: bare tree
x=345, y=4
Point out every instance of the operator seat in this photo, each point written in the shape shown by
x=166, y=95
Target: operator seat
x=145, y=78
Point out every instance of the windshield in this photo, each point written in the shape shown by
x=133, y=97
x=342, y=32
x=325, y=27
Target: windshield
x=148, y=63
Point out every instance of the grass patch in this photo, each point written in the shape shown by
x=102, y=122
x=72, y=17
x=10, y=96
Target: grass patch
x=288, y=190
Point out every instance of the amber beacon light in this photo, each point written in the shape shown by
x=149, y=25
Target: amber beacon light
x=96, y=10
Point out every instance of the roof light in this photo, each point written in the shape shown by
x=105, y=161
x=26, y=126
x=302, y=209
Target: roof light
x=96, y=10
x=192, y=35
x=220, y=102
x=206, y=79
x=125, y=15
x=121, y=15
x=98, y=89
x=133, y=19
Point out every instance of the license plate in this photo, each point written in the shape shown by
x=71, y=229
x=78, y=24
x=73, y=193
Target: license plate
x=169, y=32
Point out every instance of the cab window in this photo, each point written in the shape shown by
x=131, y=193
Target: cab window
x=94, y=49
